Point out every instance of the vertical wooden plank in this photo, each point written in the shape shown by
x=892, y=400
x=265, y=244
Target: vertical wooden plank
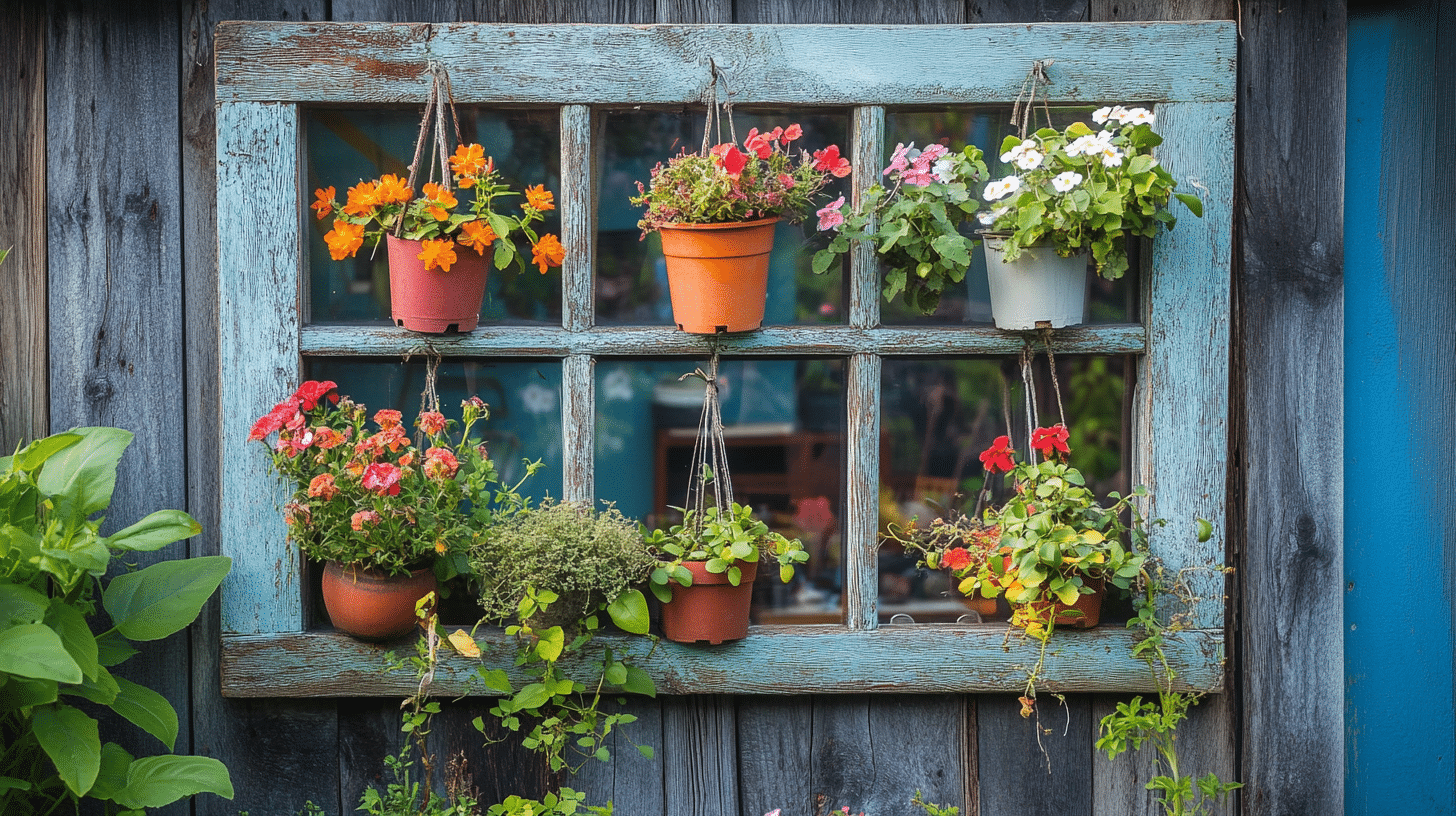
x=578, y=427
x=872, y=753
x=281, y=753
x=632, y=782
x=1108, y=11
x=867, y=156
x=1020, y=776
x=862, y=492
x=694, y=11
x=849, y=11
x=259, y=215
x=578, y=218
x=1026, y=11
x=1289, y=446
x=566, y=11
x=775, y=754
x=699, y=756
x=23, y=374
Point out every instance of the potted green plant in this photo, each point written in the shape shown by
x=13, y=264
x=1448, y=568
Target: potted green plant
x=716, y=211
x=915, y=223
x=706, y=569
x=437, y=240
x=57, y=648
x=957, y=543
x=386, y=516
x=1071, y=192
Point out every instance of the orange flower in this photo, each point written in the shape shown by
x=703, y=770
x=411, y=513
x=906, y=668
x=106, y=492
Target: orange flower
x=325, y=203
x=539, y=198
x=439, y=253
x=363, y=198
x=547, y=252
x=441, y=201
x=344, y=239
x=392, y=190
x=476, y=235
x=469, y=160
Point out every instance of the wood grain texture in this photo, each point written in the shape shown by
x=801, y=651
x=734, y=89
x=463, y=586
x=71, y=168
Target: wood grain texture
x=281, y=753
x=872, y=753
x=699, y=756
x=775, y=754
x=23, y=365
x=1052, y=771
x=877, y=12
x=866, y=158
x=1106, y=11
x=836, y=341
x=578, y=218
x=631, y=781
x=1153, y=61
x=259, y=255
x=1289, y=446
x=862, y=492
x=1027, y=11
x=785, y=660
x=578, y=428
x=695, y=11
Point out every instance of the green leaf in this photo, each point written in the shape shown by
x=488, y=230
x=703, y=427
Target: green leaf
x=115, y=762
x=532, y=696
x=629, y=612
x=164, y=598
x=147, y=710
x=113, y=649
x=35, y=650
x=11, y=783
x=19, y=692
x=72, y=741
x=70, y=625
x=21, y=604
x=663, y=593
x=735, y=575
x=155, y=531
x=823, y=259
x=162, y=780
x=616, y=674
x=36, y=453
x=638, y=682
x=1192, y=202
x=717, y=566
x=645, y=750
x=1139, y=165
x=552, y=642
x=83, y=475
x=495, y=679
x=101, y=690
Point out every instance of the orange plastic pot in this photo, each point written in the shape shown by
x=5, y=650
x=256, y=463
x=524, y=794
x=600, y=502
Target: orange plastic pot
x=711, y=610
x=432, y=300
x=372, y=605
x=1084, y=614
x=717, y=274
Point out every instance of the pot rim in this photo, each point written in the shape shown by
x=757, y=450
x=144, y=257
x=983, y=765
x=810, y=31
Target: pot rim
x=723, y=225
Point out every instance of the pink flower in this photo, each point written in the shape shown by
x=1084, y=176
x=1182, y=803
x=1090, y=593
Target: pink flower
x=301, y=441
x=382, y=478
x=440, y=464
x=786, y=180
x=387, y=418
x=792, y=132
x=899, y=160
x=328, y=438
x=273, y=420
x=432, y=422
x=830, y=217
x=322, y=487
x=829, y=161
x=359, y=519
x=758, y=143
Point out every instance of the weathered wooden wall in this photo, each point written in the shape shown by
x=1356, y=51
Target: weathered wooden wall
x=128, y=191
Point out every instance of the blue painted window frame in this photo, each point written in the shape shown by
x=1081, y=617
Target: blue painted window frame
x=266, y=71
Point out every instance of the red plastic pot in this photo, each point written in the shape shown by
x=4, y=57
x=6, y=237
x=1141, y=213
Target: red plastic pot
x=432, y=300
x=711, y=610
x=372, y=605
x=717, y=274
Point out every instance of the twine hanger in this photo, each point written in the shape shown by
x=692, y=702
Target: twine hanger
x=710, y=99
x=441, y=94
x=710, y=451
x=1023, y=112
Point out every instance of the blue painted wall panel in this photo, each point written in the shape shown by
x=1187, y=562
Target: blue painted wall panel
x=1400, y=289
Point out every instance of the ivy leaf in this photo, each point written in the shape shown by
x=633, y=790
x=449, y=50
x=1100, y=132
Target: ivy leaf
x=552, y=642
x=1192, y=202
x=629, y=611
x=532, y=696
x=616, y=674
x=494, y=679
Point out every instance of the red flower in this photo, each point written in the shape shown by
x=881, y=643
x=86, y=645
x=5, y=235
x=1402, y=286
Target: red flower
x=792, y=132
x=432, y=422
x=309, y=394
x=382, y=478
x=1050, y=439
x=440, y=464
x=956, y=558
x=322, y=487
x=759, y=143
x=732, y=159
x=998, y=456
x=829, y=161
x=328, y=438
x=387, y=418
x=273, y=420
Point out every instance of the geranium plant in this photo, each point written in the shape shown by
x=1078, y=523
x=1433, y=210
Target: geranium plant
x=372, y=497
x=1083, y=188
x=721, y=538
x=914, y=223
x=440, y=217
x=728, y=183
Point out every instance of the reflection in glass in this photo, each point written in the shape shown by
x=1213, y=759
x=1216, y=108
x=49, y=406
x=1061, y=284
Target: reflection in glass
x=985, y=127
x=784, y=430
x=631, y=280
x=939, y=415
x=524, y=399
x=346, y=147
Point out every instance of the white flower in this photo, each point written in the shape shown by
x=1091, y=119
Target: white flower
x=1100, y=117
x=988, y=218
x=1111, y=157
x=1119, y=113
x=1064, y=182
x=1001, y=188
x=1084, y=145
x=1029, y=159
x=944, y=171
x=1138, y=116
x=537, y=399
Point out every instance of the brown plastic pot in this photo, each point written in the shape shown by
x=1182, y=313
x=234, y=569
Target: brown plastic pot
x=717, y=274
x=372, y=605
x=711, y=610
x=1084, y=614
x=431, y=300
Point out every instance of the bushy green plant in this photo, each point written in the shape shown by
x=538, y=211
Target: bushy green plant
x=720, y=539
x=53, y=560
x=914, y=224
x=1083, y=189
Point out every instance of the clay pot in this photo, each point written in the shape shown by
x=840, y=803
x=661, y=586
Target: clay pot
x=1039, y=286
x=430, y=300
x=711, y=610
x=717, y=274
x=372, y=605
x=1084, y=614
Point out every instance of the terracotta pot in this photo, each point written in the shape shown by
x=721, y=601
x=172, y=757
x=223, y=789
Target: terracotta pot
x=711, y=610
x=1084, y=614
x=1039, y=286
x=432, y=301
x=371, y=605
x=718, y=274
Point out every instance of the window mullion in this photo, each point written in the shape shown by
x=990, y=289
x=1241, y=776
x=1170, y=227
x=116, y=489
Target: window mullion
x=577, y=218
x=862, y=492
x=867, y=132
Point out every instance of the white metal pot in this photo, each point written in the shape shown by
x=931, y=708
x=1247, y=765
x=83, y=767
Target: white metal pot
x=1039, y=286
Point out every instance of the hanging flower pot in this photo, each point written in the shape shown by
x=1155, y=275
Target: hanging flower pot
x=372, y=605
x=434, y=300
x=1084, y=614
x=712, y=610
x=1040, y=286
x=718, y=274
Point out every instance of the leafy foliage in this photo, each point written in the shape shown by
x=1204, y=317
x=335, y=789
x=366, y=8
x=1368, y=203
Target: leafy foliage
x=721, y=539
x=53, y=560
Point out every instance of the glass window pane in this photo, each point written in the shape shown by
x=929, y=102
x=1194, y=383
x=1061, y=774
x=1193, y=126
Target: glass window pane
x=939, y=415
x=631, y=280
x=985, y=127
x=349, y=146
x=784, y=431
